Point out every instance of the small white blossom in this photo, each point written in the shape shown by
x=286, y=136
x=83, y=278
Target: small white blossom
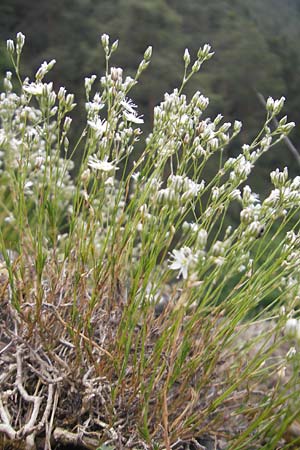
x=130, y=112
x=100, y=126
x=133, y=118
x=101, y=165
x=183, y=259
x=33, y=88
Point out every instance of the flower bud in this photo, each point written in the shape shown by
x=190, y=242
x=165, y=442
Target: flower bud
x=283, y=121
x=279, y=178
x=105, y=42
x=61, y=95
x=114, y=46
x=270, y=105
x=196, y=66
x=204, y=53
x=10, y=46
x=225, y=127
x=237, y=126
x=202, y=238
x=286, y=129
x=186, y=57
x=148, y=53
x=143, y=65
x=20, y=42
x=67, y=123
x=278, y=105
x=116, y=74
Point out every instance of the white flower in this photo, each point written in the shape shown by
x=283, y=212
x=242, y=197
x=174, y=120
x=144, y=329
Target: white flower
x=98, y=125
x=183, y=259
x=130, y=113
x=101, y=165
x=33, y=88
x=133, y=118
x=129, y=106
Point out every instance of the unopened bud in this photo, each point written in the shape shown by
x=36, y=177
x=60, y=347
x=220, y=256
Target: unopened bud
x=20, y=42
x=204, y=52
x=61, y=93
x=67, y=123
x=10, y=46
x=278, y=105
x=270, y=104
x=114, y=46
x=286, y=129
x=237, y=126
x=148, y=53
x=186, y=57
x=116, y=73
x=196, y=66
x=105, y=42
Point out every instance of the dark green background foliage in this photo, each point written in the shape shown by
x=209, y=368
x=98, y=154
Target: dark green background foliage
x=257, y=47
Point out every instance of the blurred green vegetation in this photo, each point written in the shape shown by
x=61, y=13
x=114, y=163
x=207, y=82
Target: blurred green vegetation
x=256, y=48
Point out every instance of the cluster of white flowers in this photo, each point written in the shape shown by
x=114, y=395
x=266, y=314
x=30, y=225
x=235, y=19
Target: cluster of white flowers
x=29, y=143
x=179, y=190
x=114, y=135
x=176, y=121
x=286, y=194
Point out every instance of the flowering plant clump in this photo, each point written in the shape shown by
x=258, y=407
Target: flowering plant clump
x=126, y=304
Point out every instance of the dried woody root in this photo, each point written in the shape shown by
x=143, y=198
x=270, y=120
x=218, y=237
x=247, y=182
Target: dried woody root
x=38, y=396
x=50, y=389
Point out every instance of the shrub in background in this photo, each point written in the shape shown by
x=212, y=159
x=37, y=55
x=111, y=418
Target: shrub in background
x=117, y=326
